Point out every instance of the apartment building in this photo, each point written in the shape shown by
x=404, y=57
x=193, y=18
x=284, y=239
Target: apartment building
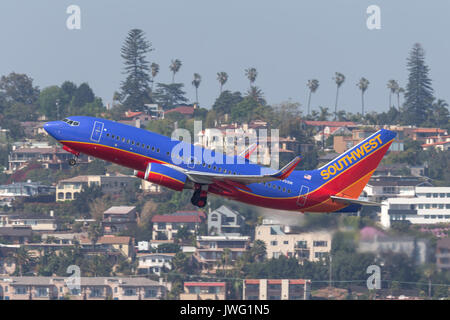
x=88, y=288
x=430, y=205
x=166, y=226
x=35, y=222
x=49, y=156
x=110, y=244
x=225, y=222
x=443, y=254
x=203, y=291
x=154, y=263
x=68, y=189
x=211, y=248
x=382, y=187
x=280, y=240
x=15, y=235
x=118, y=219
x=276, y=289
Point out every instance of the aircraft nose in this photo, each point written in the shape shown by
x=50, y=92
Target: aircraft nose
x=52, y=128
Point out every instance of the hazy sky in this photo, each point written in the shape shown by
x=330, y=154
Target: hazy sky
x=288, y=42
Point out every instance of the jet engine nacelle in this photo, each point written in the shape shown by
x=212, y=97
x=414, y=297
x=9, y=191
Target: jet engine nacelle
x=164, y=176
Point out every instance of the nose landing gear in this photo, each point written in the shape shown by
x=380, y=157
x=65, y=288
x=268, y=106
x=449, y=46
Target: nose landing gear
x=199, y=197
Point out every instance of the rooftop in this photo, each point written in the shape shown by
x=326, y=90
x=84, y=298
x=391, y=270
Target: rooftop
x=85, y=281
x=119, y=210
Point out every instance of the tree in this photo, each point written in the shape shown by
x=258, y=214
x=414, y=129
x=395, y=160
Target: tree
x=22, y=259
x=243, y=111
x=399, y=91
x=313, y=85
x=393, y=86
x=419, y=93
x=222, y=77
x=18, y=88
x=363, y=84
x=94, y=232
x=18, y=97
x=169, y=95
x=135, y=87
x=339, y=78
x=226, y=101
x=256, y=94
x=324, y=114
x=439, y=115
x=83, y=95
x=155, y=71
x=50, y=102
x=258, y=250
x=196, y=83
x=251, y=74
x=175, y=67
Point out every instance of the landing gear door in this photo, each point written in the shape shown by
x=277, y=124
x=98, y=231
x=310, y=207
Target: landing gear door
x=97, y=131
x=303, y=195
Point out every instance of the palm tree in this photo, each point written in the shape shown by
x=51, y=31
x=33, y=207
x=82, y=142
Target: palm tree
x=399, y=91
x=323, y=114
x=251, y=74
x=313, y=85
x=196, y=83
x=175, y=67
x=22, y=258
x=256, y=94
x=222, y=77
x=339, y=78
x=259, y=250
x=363, y=84
x=155, y=70
x=94, y=233
x=393, y=86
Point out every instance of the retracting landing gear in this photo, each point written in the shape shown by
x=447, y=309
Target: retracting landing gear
x=199, y=197
x=72, y=161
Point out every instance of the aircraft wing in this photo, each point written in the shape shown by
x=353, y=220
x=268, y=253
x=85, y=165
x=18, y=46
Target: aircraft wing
x=355, y=201
x=209, y=177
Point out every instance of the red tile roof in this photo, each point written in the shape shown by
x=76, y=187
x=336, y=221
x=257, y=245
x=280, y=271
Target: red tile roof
x=131, y=114
x=428, y=130
x=330, y=123
x=182, y=110
x=435, y=143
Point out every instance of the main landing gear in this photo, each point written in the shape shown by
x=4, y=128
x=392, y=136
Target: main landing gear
x=199, y=197
x=72, y=161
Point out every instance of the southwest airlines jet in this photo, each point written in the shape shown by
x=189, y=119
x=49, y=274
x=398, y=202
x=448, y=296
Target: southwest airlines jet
x=178, y=165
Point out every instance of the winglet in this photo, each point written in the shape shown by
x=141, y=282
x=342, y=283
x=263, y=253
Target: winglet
x=287, y=169
x=248, y=152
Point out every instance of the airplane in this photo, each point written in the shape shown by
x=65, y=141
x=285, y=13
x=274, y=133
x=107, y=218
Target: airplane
x=178, y=165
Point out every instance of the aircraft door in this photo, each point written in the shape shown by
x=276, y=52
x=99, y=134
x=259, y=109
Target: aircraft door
x=97, y=131
x=303, y=195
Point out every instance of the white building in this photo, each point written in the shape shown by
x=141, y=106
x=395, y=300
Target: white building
x=280, y=240
x=155, y=262
x=430, y=205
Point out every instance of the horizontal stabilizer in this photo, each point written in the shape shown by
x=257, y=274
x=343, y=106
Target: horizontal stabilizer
x=355, y=201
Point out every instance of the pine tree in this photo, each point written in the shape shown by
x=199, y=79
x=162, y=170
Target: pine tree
x=419, y=93
x=136, y=86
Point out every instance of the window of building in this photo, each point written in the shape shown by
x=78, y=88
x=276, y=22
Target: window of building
x=320, y=243
x=273, y=243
